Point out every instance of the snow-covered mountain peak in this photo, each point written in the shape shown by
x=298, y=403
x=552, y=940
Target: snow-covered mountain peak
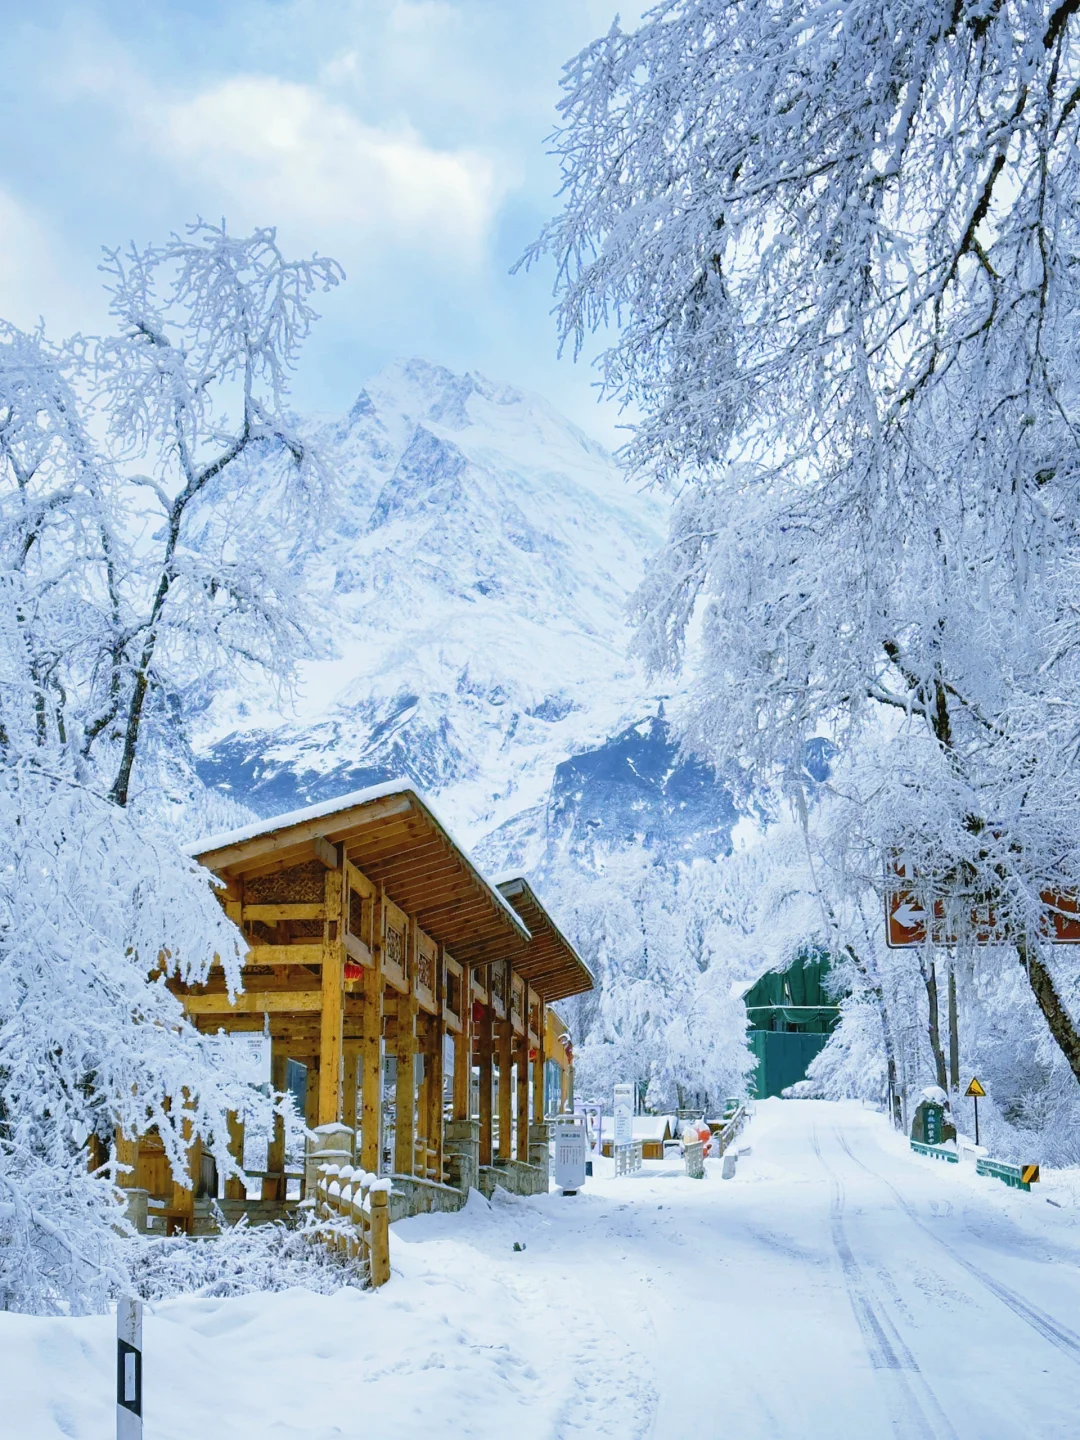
x=482, y=569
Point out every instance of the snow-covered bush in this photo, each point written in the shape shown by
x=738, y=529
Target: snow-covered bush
x=243, y=1258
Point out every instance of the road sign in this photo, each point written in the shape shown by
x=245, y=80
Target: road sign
x=1020, y=1177
x=974, y=1088
x=971, y=919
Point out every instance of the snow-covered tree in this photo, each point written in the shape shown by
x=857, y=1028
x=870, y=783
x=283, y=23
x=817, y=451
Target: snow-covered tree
x=126, y=594
x=837, y=245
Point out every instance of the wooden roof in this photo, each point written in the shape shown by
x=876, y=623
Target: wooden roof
x=551, y=965
x=392, y=835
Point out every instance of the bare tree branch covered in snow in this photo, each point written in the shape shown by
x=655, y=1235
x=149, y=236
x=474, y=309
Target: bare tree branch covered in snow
x=125, y=598
x=838, y=244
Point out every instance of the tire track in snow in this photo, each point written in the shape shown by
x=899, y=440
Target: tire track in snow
x=885, y=1345
x=1045, y=1325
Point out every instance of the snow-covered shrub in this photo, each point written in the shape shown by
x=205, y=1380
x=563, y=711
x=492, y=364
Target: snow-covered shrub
x=243, y=1258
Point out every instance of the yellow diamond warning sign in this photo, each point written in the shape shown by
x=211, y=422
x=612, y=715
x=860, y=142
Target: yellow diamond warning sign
x=1029, y=1174
x=974, y=1088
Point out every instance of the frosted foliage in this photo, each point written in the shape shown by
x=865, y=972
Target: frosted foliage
x=668, y=945
x=125, y=595
x=243, y=1259
x=836, y=246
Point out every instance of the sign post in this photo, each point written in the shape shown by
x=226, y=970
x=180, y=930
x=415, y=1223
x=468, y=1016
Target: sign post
x=975, y=1090
x=623, y=1110
x=570, y=1153
x=129, y=1424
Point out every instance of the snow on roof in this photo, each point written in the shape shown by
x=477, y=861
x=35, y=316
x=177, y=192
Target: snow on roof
x=739, y=988
x=349, y=802
x=312, y=812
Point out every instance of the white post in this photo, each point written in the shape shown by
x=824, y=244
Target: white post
x=129, y=1370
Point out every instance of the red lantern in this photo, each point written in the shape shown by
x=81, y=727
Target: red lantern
x=533, y=1052
x=477, y=1012
x=353, y=971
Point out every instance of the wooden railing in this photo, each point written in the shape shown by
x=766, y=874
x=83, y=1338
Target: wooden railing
x=360, y=1203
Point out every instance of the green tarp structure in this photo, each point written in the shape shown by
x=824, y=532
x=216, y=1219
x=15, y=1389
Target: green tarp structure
x=790, y=1017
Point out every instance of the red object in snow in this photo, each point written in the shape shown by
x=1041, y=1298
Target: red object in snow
x=698, y=1130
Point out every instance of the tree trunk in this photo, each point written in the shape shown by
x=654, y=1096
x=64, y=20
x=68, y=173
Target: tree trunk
x=896, y=1111
x=935, y=1028
x=1057, y=1017
x=954, y=1035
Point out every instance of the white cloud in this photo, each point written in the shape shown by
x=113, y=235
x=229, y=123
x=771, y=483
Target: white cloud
x=33, y=279
x=284, y=149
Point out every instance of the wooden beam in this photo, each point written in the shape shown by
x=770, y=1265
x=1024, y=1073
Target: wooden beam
x=271, y=914
x=327, y=854
x=254, y=1002
x=284, y=954
x=228, y=857
x=331, y=1051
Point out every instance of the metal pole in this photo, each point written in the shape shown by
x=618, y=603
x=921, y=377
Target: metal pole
x=129, y=1424
x=976, y=1099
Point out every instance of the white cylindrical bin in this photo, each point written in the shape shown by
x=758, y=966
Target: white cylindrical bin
x=569, y=1153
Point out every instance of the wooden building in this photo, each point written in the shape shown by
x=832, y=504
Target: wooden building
x=414, y=992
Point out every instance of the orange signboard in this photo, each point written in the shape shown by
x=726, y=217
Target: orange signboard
x=906, y=920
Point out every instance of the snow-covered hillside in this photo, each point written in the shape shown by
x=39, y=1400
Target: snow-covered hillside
x=481, y=567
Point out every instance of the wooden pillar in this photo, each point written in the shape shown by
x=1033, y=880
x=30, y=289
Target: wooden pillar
x=235, y=1189
x=463, y=1043
x=182, y=1204
x=371, y=1049
x=423, y=1094
x=506, y=1093
x=350, y=1083
x=311, y=1094
x=522, y=1151
x=437, y=1034
x=127, y=1153
x=486, y=1045
x=405, y=1105
x=332, y=1015
x=273, y=1185
x=538, y=1070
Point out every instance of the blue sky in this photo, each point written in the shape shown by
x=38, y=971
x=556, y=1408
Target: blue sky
x=404, y=137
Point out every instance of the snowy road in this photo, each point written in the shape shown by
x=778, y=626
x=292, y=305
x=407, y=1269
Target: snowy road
x=839, y=1287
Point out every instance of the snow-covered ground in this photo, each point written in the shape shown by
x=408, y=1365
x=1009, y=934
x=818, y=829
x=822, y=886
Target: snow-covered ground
x=838, y=1286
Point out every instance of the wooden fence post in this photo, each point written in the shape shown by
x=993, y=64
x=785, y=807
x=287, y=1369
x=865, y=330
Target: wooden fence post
x=379, y=1248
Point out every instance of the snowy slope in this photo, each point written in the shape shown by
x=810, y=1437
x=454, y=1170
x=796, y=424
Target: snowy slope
x=481, y=567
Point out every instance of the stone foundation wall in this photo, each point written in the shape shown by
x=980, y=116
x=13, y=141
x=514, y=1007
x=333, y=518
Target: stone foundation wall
x=413, y=1196
x=514, y=1176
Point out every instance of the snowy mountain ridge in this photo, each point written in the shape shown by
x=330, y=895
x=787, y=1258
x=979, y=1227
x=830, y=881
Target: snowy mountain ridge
x=481, y=569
